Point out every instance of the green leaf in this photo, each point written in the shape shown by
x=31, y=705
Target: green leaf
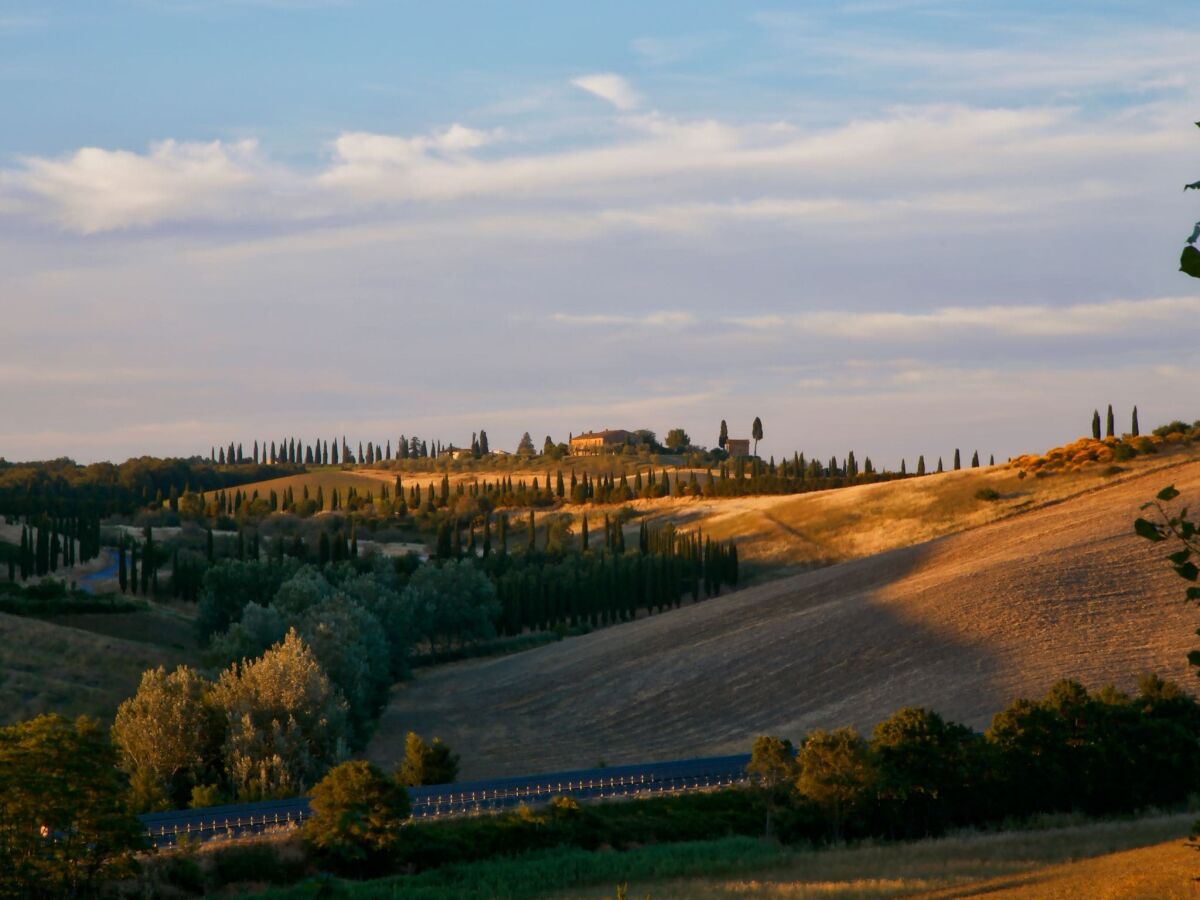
x=1194, y=657
x=1148, y=530
x=1179, y=557
x=1168, y=493
x=1193, y=593
x=1188, y=571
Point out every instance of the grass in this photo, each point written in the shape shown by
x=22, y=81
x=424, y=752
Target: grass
x=49, y=667
x=752, y=867
x=961, y=625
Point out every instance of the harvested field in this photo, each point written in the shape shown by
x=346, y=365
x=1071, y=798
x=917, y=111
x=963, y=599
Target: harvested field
x=52, y=667
x=961, y=624
x=1139, y=858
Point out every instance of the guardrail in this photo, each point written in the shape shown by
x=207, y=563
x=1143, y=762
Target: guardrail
x=433, y=803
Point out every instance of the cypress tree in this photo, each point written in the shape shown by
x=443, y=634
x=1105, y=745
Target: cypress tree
x=975, y=460
x=957, y=460
x=723, y=437
x=502, y=535
x=1096, y=424
x=532, y=546
x=583, y=534
x=1134, y=424
x=444, y=547
x=902, y=469
x=921, y=465
x=24, y=558
x=940, y=467
x=323, y=550
x=122, y=571
x=1110, y=425
x=354, y=540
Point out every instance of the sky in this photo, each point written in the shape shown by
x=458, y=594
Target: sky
x=889, y=226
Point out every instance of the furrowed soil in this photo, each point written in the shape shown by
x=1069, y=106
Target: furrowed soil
x=961, y=624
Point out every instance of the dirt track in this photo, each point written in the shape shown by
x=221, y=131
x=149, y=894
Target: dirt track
x=961, y=624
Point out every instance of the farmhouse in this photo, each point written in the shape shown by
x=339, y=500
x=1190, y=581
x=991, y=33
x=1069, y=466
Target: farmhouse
x=737, y=446
x=601, y=441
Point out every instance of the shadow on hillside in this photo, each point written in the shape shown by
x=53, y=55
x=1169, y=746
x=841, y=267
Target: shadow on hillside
x=820, y=649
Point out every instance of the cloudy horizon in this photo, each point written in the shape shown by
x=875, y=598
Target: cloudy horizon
x=892, y=227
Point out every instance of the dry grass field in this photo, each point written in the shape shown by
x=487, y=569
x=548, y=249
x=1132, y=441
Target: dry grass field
x=1146, y=859
x=961, y=624
x=84, y=663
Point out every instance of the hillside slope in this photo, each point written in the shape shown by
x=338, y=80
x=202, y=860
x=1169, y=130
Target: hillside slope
x=961, y=624
x=71, y=666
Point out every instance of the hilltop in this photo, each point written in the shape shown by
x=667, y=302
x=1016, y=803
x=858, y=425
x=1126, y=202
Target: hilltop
x=961, y=624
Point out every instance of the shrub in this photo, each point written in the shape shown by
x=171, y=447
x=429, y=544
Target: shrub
x=433, y=763
x=357, y=816
x=256, y=861
x=989, y=494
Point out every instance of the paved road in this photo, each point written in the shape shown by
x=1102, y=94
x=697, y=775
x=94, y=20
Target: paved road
x=466, y=798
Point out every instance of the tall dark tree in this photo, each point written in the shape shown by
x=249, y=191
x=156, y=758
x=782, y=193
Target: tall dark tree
x=1110, y=425
x=1134, y=424
x=957, y=460
x=975, y=460
x=1096, y=424
x=723, y=437
x=122, y=571
x=483, y=443
x=756, y=432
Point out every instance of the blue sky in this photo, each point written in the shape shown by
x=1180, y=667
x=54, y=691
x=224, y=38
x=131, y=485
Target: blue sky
x=897, y=227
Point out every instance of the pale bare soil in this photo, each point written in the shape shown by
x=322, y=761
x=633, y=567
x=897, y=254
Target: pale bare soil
x=961, y=624
x=1089, y=860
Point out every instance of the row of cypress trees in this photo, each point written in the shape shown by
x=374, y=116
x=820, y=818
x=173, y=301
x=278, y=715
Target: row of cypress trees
x=322, y=453
x=50, y=542
x=1110, y=424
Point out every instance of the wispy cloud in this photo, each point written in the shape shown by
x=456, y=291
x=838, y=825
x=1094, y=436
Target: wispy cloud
x=609, y=87
x=654, y=318
x=655, y=172
x=1113, y=317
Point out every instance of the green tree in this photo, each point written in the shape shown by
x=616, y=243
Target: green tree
x=1110, y=424
x=285, y=722
x=677, y=440
x=756, y=432
x=927, y=770
x=451, y=604
x=350, y=645
x=1134, y=424
x=1096, y=424
x=723, y=437
x=357, y=818
x=169, y=737
x=525, y=447
x=64, y=824
x=836, y=774
x=774, y=768
x=426, y=763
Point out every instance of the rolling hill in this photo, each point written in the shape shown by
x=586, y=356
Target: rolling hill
x=961, y=624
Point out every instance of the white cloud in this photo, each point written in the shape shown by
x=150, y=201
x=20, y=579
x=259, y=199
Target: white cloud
x=665, y=317
x=611, y=88
x=1113, y=317
x=656, y=173
x=96, y=190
